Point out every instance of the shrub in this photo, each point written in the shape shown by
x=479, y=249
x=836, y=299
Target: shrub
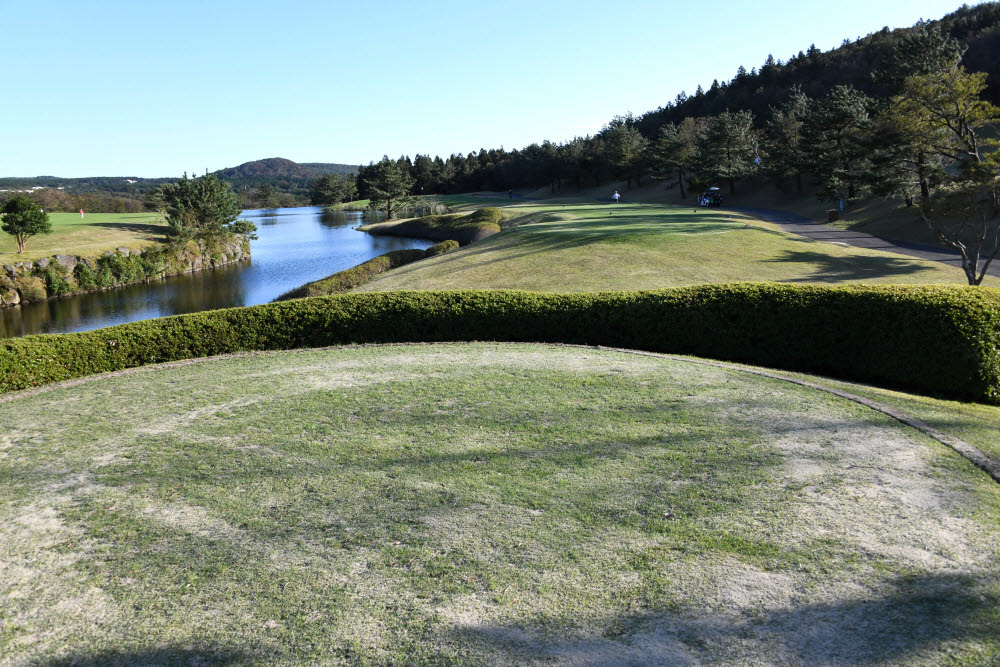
x=32, y=288
x=463, y=228
x=936, y=339
x=354, y=276
x=441, y=248
x=120, y=270
x=55, y=279
x=86, y=278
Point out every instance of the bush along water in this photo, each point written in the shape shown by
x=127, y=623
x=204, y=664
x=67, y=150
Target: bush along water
x=354, y=276
x=60, y=275
x=931, y=339
x=464, y=229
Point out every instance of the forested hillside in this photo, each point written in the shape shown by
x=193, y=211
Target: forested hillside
x=860, y=64
x=864, y=65
x=284, y=175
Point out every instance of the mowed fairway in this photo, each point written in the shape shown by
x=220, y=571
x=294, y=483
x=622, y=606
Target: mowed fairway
x=483, y=504
x=588, y=247
x=87, y=237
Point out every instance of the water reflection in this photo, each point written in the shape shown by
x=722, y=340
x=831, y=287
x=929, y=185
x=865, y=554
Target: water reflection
x=295, y=246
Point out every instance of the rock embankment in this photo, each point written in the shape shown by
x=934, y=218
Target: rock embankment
x=62, y=275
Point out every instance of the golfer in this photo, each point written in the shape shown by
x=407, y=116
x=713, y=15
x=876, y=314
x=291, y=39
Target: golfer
x=615, y=197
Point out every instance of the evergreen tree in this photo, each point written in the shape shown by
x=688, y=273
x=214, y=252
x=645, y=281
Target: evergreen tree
x=944, y=114
x=674, y=151
x=266, y=196
x=386, y=184
x=785, y=158
x=624, y=149
x=203, y=206
x=836, y=139
x=332, y=188
x=728, y=148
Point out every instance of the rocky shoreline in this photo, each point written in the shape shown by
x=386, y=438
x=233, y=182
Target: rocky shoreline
x=63, y=275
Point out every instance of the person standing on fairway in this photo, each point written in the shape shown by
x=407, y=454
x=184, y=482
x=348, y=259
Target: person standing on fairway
x=81, y=214
x=615, y=197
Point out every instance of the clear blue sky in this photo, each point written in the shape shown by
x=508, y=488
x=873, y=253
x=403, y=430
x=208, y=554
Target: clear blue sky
x=155, y=88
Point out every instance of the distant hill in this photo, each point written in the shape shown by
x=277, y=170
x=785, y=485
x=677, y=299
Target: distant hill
x=122, y=186
x=284, y=175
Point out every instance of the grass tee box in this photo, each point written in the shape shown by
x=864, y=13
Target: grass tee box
x=932, y=339
x=86, y=237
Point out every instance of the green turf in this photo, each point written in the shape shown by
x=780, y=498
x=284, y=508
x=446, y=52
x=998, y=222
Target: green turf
x=483, y=503
x=588, y=247
x=87, y=237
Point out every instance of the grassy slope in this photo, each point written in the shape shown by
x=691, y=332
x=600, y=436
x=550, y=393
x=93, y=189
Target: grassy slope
x=586, y=247
x=87, y=237
x=379, y=505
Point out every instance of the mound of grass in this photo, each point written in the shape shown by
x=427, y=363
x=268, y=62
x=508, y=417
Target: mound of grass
x=459, y=227
x=376, y=506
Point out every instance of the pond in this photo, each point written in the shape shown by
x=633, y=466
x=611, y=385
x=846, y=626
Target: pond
x=294, y=246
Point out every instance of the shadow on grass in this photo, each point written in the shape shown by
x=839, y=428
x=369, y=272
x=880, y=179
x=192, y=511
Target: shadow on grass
x=135, y=227
x=918, y=613
x=163, y=655
x=835, y=269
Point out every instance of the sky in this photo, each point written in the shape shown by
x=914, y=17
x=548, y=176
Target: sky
x=154, y=88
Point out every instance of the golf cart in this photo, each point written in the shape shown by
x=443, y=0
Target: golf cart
x=711, y=197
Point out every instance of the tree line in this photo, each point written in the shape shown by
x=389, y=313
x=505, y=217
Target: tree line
x=926, y=140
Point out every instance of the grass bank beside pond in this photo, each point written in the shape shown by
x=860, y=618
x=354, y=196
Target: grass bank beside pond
x=376, y=505
x=90, y=236
x=580, y=247
x=461, y=227
x=356, y=275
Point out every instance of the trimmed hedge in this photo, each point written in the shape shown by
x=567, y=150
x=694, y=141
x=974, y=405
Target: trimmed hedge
x=465, y=229
x=442, y=248
x=933, y=339
x=354, y=276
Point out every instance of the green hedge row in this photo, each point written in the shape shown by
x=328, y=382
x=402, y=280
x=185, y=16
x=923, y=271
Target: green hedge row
x=442, y=248
x=356, y=275
x=934, y=339
x=465, y=229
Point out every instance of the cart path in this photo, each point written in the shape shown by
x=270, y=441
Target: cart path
x=818, y=231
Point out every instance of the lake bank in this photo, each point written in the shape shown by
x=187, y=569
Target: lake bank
x=63, y=275
x=294, y=246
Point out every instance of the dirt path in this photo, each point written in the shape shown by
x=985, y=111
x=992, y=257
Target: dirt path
x=818, y=231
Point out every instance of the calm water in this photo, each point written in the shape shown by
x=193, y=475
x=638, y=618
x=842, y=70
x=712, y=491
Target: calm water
x=295, y=246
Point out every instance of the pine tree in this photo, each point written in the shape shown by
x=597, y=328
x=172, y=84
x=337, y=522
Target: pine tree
x=785, y=158
x=836, y=140
x=674, y=151
x=386, y=184
x=728, y=148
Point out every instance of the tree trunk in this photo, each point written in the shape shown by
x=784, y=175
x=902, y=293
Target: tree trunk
x=925, y=190
x=798, y=181
x=732, y=187
x=680, y=181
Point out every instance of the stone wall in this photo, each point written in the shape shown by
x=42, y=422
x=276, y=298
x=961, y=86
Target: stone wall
x=61, y=275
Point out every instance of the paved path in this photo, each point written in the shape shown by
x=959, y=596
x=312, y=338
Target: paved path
x=796, y=224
